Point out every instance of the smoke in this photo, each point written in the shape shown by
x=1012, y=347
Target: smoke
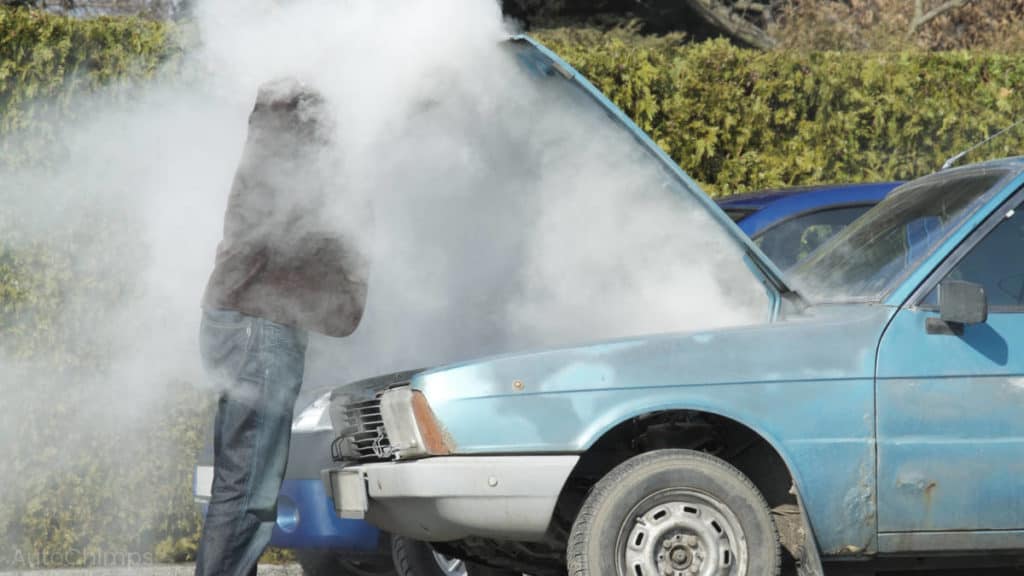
x=99, y=348
x=508, y=212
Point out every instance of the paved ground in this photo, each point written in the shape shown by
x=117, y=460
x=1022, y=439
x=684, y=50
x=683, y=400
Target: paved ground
x=294, y=570
x=151, y=570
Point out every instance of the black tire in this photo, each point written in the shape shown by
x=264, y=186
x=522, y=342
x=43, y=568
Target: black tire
x=328, y=563
x=416, y=558
x=674, y=508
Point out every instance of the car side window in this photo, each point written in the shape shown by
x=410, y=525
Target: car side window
x=793, y=240
x=996, y=264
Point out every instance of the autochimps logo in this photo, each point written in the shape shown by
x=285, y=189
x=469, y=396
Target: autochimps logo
x=74, y=557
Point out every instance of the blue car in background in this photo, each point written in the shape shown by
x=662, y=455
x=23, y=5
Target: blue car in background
x=323, y=543
x=787, y=224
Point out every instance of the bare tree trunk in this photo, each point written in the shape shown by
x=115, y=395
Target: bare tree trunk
x=921, y=17
x=727, y=17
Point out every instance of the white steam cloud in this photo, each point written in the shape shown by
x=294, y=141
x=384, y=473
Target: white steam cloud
x=508, y=212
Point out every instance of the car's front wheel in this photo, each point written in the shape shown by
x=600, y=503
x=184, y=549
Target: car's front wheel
x=675, y=512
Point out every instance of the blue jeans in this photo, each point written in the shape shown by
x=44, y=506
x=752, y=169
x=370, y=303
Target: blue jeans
x=257, y=367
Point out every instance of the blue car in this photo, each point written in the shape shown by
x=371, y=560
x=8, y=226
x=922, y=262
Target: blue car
x=872, y=410
x=789, y=224
x=786, y=223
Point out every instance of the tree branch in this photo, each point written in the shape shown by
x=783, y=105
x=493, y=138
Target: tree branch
x=723, y=17
x=921, y=17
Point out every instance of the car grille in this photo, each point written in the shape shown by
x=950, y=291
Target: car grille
x=358, y=423
x=370, y=439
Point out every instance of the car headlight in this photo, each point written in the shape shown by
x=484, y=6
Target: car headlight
x=315, y=417
x=412, y=428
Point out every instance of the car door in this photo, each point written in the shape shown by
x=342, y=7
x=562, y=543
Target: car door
x=950, y=406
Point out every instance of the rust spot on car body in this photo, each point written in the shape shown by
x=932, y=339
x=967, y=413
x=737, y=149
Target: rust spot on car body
x=919, y=486
x=859, y=510
x=929, y=494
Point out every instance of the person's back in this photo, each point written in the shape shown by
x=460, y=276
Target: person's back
x=281, y=269
x=281, y=259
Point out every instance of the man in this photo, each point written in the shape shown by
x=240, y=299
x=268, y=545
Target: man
x=282, y=269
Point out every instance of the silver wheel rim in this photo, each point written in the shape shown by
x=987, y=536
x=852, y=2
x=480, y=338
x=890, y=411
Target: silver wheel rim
x=454, y=566
x=681, y=532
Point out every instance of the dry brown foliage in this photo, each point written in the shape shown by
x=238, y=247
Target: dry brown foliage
x=995, y=25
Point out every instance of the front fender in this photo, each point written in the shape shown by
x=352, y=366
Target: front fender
x=822, y=429
x=806, y=386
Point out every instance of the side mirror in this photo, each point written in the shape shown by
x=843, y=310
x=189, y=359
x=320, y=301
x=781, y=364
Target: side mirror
x=960, y=304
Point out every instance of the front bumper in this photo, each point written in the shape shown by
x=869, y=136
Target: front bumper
x=453, y=497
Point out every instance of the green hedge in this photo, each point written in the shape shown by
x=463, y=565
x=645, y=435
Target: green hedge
x=735, y=119
x=739, y=119
x=48, y=62
x=75, y=489
x=78, y=485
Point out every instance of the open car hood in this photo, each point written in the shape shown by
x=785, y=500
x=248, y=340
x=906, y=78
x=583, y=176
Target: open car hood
x=759, y=264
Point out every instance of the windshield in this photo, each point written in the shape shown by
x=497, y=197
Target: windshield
x=865, y=261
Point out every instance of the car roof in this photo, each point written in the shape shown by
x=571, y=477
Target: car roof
x=763, y=209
